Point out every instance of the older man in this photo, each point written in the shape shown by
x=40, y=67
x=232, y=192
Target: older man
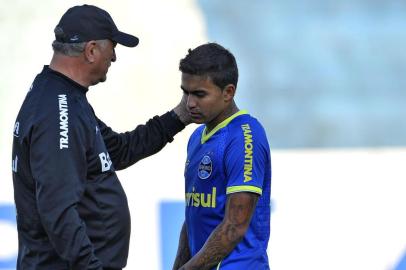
x=72, y=212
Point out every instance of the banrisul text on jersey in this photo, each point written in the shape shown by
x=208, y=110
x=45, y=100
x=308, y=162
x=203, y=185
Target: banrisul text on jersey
x=196, y=199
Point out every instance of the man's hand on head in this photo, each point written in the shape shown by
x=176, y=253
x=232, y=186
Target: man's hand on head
x=182, y=112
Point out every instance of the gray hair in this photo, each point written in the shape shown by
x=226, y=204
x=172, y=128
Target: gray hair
x=74, y=49
x=68, y=49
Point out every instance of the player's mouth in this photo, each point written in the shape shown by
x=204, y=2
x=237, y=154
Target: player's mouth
x=195, y=115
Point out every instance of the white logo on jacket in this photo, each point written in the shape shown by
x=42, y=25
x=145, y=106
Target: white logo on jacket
x=14, y=164
x=16, y=129
x=63, y=122
x=105, y=161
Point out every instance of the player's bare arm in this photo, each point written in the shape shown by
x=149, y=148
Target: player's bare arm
x=183, y=254
x=239, y=210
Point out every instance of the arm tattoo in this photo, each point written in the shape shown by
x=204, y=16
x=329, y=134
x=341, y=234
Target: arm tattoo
x=239, y=210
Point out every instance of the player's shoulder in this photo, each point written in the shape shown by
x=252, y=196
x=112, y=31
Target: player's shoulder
x=246, y=132
x=198, y=131
x=246, y=123
x=196, y=134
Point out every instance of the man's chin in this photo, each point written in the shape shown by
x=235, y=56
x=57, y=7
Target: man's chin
x=103, y=79
x=99, y=81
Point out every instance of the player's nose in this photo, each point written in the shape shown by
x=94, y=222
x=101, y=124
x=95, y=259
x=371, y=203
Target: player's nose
x=190, y=102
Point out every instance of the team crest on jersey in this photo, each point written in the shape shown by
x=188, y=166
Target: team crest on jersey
x=205, y=168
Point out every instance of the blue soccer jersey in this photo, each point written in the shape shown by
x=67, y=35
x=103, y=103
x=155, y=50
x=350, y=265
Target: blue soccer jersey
x=233, y=157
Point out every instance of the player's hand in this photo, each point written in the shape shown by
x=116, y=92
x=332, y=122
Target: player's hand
x=182, y=112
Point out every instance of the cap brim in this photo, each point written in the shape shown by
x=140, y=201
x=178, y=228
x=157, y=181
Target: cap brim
x=125, y=39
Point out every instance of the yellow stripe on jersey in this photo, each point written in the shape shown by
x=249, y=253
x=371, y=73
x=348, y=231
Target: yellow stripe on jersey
x=235, y=189
x=206, y=137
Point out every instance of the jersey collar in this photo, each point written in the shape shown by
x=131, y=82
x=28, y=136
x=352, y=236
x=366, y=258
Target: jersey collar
x=206, y=137
x=66, y=78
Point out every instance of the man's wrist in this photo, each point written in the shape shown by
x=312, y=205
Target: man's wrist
x=182, y=115
x=174, y=115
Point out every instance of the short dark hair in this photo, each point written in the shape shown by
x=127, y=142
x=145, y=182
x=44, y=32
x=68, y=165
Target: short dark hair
x=211, y=60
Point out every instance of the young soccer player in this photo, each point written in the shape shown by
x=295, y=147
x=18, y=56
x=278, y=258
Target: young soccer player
x=227, y=173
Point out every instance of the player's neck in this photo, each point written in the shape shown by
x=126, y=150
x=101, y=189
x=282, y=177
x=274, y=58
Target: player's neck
x=229, y=111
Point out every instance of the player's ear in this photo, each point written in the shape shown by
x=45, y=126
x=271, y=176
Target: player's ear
x=228, y=92
x=90, y=51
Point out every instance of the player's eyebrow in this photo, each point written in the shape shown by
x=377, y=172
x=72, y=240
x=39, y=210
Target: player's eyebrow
x=192, y=91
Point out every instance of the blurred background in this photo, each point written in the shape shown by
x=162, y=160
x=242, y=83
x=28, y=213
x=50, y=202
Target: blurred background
x=325, y=77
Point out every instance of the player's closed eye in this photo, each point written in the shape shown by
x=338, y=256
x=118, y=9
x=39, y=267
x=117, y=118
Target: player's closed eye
x=199, y=94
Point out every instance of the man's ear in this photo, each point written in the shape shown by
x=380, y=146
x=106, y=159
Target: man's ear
x=90, y=51
x=228, y=92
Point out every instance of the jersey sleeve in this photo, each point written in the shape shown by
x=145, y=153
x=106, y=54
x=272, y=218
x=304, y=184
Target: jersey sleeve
x=245, y=159
x=145, y=140
x=58, y=164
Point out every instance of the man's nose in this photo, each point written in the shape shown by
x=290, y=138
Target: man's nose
x=114, y=57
